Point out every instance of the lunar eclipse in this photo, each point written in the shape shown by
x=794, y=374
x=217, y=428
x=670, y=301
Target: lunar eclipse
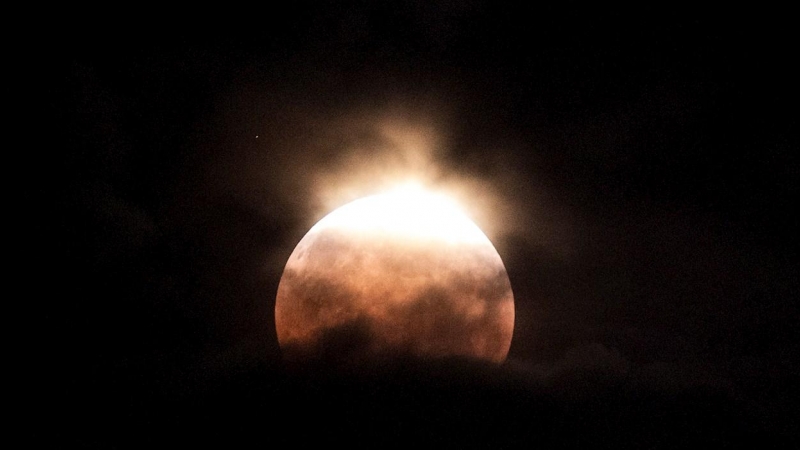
x=220, y=244
x=404, y=272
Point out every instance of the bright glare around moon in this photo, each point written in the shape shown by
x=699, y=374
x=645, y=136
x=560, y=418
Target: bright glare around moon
x=407, y=212
x=403, y=273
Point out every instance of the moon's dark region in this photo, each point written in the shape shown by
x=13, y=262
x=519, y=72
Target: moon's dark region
x=402, y=273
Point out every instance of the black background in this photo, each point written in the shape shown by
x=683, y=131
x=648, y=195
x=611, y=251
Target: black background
x=647, y=158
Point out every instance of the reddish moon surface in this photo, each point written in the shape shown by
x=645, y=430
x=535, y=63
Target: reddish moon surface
x=400, y=273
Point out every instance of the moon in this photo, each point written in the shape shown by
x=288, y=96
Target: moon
x=404, y=272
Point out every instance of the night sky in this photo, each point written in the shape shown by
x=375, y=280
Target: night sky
x=641, y=175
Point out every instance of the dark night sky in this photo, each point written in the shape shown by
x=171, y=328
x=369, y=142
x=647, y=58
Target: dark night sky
x=646, y=163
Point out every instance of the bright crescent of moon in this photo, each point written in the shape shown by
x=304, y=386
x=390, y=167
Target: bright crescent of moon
x=404, y=272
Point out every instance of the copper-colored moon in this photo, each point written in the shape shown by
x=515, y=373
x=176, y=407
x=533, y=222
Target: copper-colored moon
x=401, y=273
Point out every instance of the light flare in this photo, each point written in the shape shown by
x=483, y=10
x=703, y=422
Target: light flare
x=407, y=211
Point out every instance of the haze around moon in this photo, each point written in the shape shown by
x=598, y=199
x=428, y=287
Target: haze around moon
x=405, y=272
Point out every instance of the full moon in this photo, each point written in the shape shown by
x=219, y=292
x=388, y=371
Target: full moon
x=405, y=272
